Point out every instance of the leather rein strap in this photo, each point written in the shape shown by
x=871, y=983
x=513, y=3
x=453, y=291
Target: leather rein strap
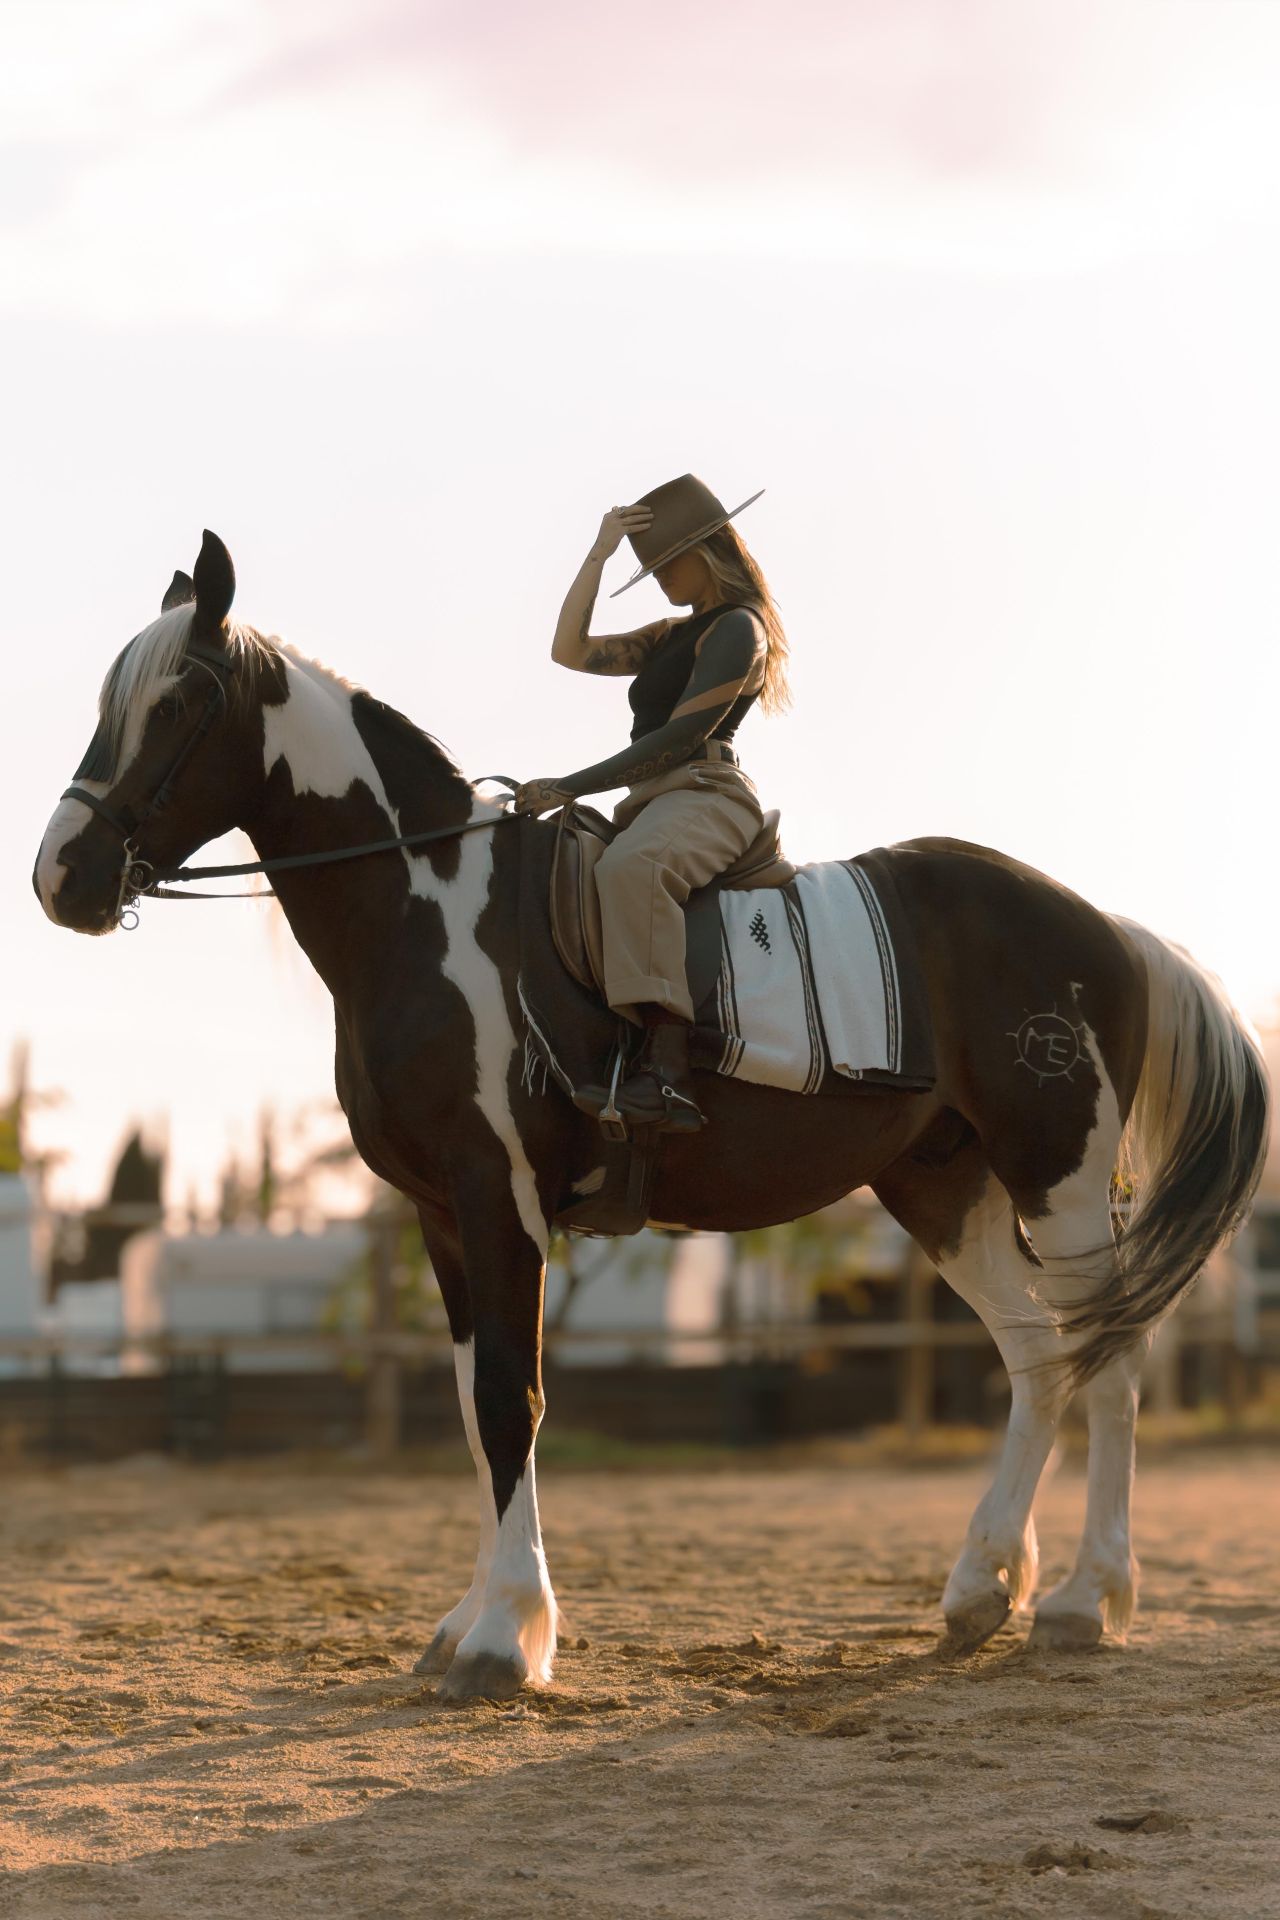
x=291, y=860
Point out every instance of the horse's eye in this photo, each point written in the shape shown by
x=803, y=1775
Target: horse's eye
x=168, y=708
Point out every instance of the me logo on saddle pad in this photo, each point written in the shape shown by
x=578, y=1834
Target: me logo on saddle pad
x=818, y=985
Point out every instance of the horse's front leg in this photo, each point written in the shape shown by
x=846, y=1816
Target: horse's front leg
x=446, y=1262
x=513, y=1635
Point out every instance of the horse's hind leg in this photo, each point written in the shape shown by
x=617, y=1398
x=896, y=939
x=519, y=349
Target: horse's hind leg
x=1101, y=1589
x=1070, y=1228
x=964, y=1220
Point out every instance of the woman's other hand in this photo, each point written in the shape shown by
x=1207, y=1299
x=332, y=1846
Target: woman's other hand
x=616, y=525
x=539, y=796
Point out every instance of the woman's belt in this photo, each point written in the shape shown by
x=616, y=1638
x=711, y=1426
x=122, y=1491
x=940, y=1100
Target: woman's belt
x=715, y=750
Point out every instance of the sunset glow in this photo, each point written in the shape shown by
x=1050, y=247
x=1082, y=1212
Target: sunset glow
x=400, y=298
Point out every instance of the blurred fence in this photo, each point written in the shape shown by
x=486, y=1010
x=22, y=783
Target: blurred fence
x=228, y=1395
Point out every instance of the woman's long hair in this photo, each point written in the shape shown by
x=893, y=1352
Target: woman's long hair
x=738, y=578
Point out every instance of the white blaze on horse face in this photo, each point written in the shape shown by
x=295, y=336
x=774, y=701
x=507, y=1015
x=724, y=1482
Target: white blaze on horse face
x=69, y=818
x=146, y=678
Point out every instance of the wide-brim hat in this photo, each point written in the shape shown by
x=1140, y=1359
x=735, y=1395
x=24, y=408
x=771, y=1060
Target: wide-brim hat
x=684, y=512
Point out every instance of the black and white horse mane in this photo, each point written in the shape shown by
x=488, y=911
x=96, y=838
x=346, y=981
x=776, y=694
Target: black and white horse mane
x=151, y=665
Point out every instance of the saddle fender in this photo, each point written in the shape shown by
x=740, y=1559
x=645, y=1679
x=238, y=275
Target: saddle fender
x=582, y=835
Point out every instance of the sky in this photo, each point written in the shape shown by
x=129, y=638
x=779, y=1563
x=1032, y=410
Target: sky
x=399, y=297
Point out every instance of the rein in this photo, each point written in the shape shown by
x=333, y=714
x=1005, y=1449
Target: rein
x=288, y=860
x=139, y=877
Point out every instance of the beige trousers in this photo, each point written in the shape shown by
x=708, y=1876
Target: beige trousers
x=679, y=831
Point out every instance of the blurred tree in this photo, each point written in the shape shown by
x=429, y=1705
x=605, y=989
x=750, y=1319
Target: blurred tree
x=581, y=1262
x=231, y=1195
x=13, y=1113
x=416, y=1304
x=92, y=1250
x=267, y=1193
x=16, y=1152
x=816, y=1259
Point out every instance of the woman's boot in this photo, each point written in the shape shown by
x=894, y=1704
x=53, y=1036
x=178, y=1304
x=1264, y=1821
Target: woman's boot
x=659, y=1090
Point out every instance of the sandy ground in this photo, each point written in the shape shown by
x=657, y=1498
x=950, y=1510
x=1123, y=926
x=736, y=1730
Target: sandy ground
x=208, y=1708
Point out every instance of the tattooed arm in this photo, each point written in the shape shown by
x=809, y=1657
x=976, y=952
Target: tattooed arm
x=730, y=662
x=616, y=653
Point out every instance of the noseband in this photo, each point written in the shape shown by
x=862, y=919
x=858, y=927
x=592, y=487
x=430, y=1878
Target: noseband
x=139, y=876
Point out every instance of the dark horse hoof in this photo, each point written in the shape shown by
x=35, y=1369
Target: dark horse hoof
x=1065, y=1633
x=484, y=1676
x=438, y=1657
x=972, y=1625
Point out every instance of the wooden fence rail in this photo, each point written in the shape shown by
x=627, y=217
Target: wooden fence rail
x=753, y=1362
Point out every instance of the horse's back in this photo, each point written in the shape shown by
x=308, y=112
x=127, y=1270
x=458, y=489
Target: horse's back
x=963, y=877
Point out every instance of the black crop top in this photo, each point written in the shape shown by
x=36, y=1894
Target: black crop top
x=656, y=691
x=696, y=684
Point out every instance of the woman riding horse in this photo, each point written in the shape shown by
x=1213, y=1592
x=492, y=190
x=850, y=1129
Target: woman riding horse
x=690, y=811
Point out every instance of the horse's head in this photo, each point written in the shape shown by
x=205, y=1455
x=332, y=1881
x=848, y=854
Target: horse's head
x=172, y=761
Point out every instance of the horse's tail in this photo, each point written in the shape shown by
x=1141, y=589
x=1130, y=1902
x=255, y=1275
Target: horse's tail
x=1191, y=1154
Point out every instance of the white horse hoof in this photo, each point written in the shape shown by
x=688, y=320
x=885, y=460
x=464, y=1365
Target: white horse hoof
x=438, y=1657
x=1065, y=1632
x=971, y=1626
x=484, y=1676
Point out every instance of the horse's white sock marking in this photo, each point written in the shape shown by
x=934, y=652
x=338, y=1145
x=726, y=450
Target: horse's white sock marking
x=987, y=1271
x=462, y=1617
x=1103, y=1584
x=1076, y=1248
x=518, y=1616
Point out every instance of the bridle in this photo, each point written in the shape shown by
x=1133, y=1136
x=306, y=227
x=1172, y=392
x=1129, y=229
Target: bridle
x=139, y=876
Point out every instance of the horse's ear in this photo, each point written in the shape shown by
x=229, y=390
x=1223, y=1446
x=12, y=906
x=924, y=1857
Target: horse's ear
x=214, y=579
x=179, y=591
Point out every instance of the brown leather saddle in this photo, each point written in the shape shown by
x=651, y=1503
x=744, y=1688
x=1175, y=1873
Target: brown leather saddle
x=569, y=1027
x=582, y=835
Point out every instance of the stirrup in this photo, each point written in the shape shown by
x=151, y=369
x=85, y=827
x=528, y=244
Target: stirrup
x=602, y=1106
x=680, y=1114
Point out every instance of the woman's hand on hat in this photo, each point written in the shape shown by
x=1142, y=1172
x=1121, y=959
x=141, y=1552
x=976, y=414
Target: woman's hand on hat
x=539, y=796
x=616, y=525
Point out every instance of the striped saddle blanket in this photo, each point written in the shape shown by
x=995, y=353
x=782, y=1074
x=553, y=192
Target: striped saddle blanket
x=818, y=987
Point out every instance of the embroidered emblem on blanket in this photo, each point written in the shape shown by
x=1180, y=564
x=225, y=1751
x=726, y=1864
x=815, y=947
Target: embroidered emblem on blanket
x=818, y=986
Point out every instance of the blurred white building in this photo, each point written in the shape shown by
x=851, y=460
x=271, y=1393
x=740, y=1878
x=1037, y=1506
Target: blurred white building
x=651, y=1287
x=239, y=1283
x=20, y=1288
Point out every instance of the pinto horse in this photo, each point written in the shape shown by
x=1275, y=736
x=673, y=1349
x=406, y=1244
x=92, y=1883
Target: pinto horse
x=1098, y=1124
